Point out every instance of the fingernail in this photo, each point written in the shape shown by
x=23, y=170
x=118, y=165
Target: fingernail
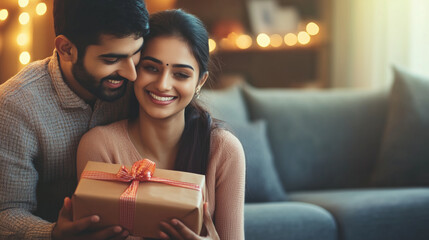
x=174, y=221
x=95, y=218
x=163, y=235
x=117, y=229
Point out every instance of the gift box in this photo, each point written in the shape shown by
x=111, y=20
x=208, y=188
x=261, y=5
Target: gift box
x=174, y=194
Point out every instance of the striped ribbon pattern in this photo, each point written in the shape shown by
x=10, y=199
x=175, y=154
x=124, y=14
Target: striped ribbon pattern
x=141, y=171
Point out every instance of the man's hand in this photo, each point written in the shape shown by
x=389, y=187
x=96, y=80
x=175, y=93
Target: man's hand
x=66, y=229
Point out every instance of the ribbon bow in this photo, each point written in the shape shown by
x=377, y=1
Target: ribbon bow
x=141, y=171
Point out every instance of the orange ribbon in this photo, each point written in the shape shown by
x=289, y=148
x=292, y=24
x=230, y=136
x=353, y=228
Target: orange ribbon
x=141, y=171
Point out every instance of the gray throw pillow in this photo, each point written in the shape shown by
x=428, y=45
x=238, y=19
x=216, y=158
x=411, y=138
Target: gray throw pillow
x=404, y=156
x=226, y=104
x=262, y=182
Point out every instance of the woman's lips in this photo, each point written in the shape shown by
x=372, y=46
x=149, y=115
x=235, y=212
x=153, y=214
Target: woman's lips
x=162, y=100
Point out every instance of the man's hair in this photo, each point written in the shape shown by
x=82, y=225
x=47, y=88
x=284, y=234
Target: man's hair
x=84, y=21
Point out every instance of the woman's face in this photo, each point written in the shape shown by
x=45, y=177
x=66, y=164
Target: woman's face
x=167, y=77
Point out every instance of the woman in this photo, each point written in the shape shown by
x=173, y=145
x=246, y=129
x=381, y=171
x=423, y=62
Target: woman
x=171, y=129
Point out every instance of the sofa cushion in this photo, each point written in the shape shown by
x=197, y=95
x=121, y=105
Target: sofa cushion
x=227, y=104
x=373, y=214
x=262, y=182
x=321, y=139
x=404, y=157
x=288, y=220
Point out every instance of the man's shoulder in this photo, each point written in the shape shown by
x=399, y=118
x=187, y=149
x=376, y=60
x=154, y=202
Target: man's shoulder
x=31, y=79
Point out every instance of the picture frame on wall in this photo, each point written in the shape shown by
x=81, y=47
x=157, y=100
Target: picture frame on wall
x=262, y=15
x=266, y=16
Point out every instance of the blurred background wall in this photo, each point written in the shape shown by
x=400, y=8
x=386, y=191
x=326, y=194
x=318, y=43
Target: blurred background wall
x=268, y=43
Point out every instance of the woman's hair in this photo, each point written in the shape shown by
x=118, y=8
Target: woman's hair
x=194, y=144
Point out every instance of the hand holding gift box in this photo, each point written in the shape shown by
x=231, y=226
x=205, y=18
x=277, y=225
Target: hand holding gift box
x=119, y=199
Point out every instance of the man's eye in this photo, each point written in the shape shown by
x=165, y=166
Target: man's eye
x=110, y=60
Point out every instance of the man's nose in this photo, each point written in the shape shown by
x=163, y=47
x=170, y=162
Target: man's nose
x=128, y=70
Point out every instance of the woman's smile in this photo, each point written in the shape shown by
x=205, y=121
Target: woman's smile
x=161, y=99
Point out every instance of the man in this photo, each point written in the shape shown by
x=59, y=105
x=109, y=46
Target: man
x=49, y=105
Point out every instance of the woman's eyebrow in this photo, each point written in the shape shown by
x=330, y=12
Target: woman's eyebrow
x=152, y=59
x=183, y=66
x=160, y=62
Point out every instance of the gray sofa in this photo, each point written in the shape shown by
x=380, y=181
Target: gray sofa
x=332, y=164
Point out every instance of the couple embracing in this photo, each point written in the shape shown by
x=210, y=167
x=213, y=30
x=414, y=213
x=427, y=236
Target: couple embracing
x=119, y=87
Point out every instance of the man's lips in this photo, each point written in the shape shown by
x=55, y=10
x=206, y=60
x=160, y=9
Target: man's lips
x=113, y=83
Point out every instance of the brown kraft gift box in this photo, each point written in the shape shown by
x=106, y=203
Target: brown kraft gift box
x=155, y=202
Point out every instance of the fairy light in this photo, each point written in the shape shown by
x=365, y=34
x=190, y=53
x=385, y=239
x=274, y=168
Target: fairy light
x=276, y=40
x=41, y=9
x=290, y=39
x=312, y=28
x=303, y=38
x=24, y=18
x=22, y=39
x=243, y=41
x=23, y=3
x=263, y=40
x=24, y=57
x=212, y=45
x=3, y=14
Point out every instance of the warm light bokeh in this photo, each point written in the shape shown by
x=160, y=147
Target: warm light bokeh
x=3, y=14
x=212, y=45
x=41, y=9
x=243, y=41
x=24, y=18
x=23, y=3
x=303, y=38
x=263, y=40
x=24, y=57
x=290, y=39
x=276, y=40
x=312, y=28
x=22, y=39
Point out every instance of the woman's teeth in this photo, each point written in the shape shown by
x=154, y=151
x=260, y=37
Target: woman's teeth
x=160, y=98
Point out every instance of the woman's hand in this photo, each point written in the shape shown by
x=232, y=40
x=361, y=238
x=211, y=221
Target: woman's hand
x=176, y=230
x=67, y=229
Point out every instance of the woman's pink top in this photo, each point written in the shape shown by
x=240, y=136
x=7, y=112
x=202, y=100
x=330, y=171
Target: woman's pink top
x=225, y=177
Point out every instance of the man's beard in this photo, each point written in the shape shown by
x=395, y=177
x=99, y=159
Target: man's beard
x=94, y=86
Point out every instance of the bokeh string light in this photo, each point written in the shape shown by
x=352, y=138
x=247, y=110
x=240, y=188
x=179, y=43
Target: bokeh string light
x=27, y=11
x=4, y=13
x=241, y=41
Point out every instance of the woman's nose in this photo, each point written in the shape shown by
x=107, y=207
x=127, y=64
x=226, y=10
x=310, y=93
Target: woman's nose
x=164, y=81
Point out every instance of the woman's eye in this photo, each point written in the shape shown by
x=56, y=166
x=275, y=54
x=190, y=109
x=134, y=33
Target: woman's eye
x=181, y=75
x=150, y=68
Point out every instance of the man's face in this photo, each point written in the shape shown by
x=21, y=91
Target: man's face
x=106, y=68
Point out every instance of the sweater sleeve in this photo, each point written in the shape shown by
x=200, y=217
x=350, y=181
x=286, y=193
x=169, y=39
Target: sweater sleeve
x=19, y=176
x=93, y=146
x=229, y=187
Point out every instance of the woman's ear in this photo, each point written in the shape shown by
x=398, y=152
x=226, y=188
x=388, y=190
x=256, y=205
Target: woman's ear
x=66, y=49
x=203, y=80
